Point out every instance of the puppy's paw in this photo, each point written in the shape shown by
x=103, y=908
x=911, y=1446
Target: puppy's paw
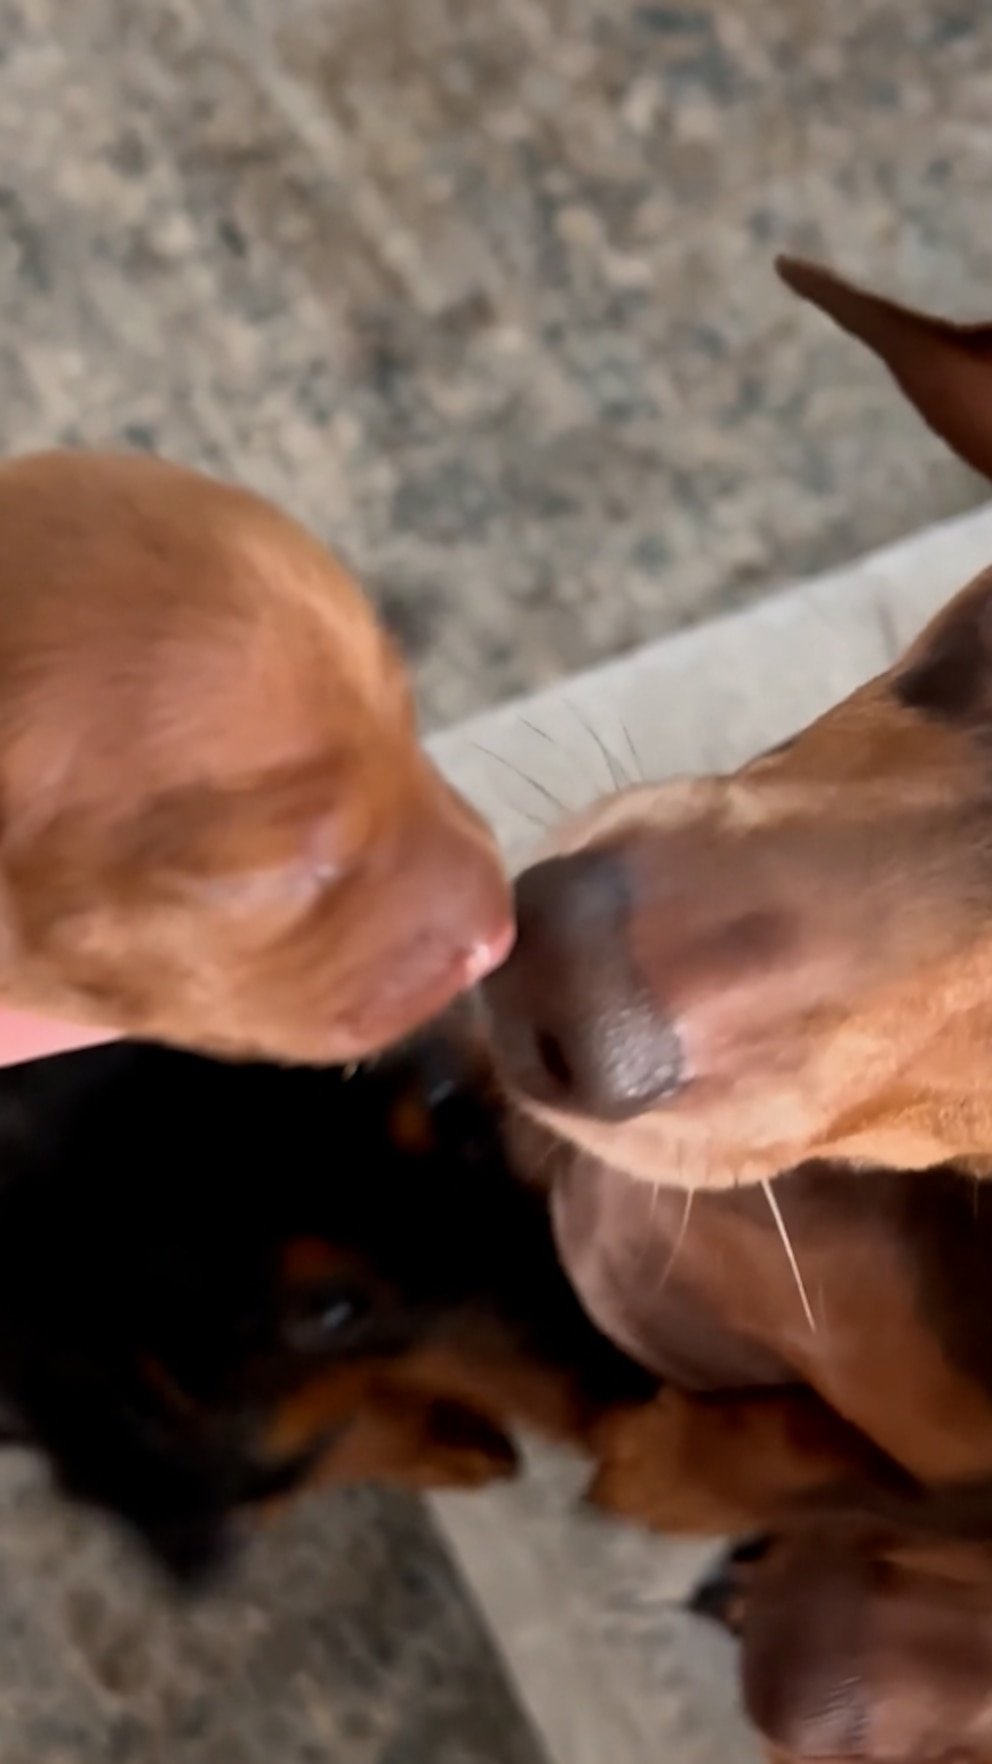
x=645, y=1470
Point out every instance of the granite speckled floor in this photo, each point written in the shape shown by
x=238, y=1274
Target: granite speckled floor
x=481, y=288
x=345, y=1638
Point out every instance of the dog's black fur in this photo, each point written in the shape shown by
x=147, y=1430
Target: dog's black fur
x=146, y=1329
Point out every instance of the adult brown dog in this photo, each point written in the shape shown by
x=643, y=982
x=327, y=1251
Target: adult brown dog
x=217, y=827
x=784, y=978
x=794, y=961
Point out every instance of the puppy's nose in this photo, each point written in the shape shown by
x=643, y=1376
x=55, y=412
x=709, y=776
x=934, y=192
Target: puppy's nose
x=486, y=953
x=452, y=865
x=440, y=919
x=574, y=1022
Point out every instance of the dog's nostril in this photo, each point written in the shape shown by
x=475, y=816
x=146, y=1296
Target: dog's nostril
x=575, y=1024
x=552, y=1057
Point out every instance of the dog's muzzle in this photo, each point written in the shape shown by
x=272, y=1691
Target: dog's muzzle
x=574, y=1024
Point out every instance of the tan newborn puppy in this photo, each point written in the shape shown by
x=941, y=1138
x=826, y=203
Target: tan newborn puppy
x=217, y=827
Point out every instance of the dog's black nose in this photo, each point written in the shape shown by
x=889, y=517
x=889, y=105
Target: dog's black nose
x=575, y=1025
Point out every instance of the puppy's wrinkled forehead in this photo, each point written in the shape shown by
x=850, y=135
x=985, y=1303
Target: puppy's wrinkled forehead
x=150, y=607
x=217, y=825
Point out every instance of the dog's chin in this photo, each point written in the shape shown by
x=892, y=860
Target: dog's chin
x=624, y=1145
x=671, y=1144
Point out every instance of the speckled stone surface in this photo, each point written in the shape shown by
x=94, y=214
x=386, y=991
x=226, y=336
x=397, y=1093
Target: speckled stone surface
x=345, y=1639
x=481, y=289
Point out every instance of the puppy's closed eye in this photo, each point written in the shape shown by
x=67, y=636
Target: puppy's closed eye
x=290, y=888
x=264, y=841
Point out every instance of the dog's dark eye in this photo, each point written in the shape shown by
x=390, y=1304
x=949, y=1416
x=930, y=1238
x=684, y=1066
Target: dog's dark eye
x=336, y=1314
x=326, y=1317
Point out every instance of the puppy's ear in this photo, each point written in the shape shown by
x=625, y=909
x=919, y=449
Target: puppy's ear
x=944, y=369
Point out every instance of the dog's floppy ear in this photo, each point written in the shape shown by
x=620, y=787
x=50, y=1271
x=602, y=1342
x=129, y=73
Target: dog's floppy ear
x=945, y=369
x=855, y=1646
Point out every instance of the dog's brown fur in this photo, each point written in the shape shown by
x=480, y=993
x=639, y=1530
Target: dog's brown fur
x=817, y=927
x=217, y=827
x=815, y=934
x=861, y=1644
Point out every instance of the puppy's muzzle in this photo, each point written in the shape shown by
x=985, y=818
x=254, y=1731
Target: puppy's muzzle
x=574, y=1023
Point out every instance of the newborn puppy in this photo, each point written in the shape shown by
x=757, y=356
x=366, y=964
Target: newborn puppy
x=221, y=1282
x=217, y=827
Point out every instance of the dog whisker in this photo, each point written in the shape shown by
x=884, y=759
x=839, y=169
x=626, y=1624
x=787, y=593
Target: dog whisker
x=646, y=1245
x=679, y=1240
x=517, y=808
x=679, y=1235
x=776, y=1213
x=535, y=729
x=635, y=756
x=612, y=764
x=535, y=783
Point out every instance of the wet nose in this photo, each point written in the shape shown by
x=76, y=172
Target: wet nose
x=574, y=1022
x=436, y=918
x=454, y=866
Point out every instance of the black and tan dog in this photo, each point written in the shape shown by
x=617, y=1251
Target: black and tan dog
x=220, y=1283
